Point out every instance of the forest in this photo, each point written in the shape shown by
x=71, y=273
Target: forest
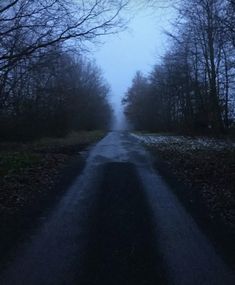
x=192, y=88
x=48, y=87
x=106, y=179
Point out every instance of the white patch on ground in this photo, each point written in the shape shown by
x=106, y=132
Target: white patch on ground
x=185, y=143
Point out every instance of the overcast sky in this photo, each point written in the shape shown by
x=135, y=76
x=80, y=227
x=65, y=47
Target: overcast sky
x=137, y=48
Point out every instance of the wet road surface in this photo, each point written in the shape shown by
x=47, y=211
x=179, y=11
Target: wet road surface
x=119, y=223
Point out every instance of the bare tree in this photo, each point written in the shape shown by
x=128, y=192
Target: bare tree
x=193, y=88
x=33, y=38
x=26, y=26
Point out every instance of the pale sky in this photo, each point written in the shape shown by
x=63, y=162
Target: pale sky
x=137, y=48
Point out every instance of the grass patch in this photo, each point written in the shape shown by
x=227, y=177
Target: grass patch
x=74, y=138
x=15, y=158
x=29, y=171
x=11, y=162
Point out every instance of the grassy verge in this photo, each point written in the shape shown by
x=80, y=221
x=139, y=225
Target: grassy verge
x=205, y=167
x=29, y=171
x=32, y=178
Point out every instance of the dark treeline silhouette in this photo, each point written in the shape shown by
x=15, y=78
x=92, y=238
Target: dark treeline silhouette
x=193, y=88
x=53, y=95
x=45, y=87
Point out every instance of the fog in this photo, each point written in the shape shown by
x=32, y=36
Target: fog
x=139, y=47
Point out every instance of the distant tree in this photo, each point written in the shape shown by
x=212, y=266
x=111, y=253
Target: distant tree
x=136, y=101
x=193, y=88
x=53, y=94
x=37, y=75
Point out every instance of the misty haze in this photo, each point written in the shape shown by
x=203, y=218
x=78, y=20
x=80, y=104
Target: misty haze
x=117, y=142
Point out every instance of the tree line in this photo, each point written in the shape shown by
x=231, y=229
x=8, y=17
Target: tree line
x=193, y=88
x=47, y=87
